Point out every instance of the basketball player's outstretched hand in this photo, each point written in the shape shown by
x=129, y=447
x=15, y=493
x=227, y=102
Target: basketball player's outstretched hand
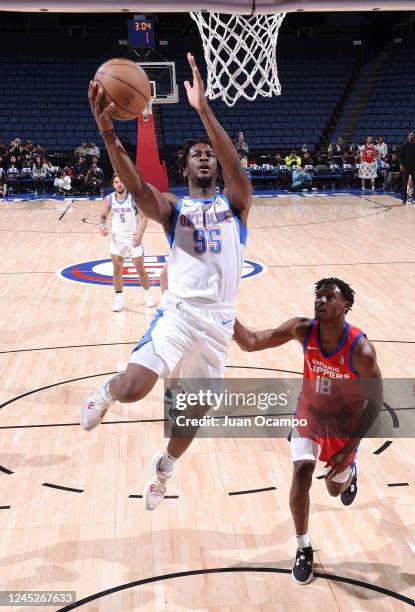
x=196, y=92
x=100, y=111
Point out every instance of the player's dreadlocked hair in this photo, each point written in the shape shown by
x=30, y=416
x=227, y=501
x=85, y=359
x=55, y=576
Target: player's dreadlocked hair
x=183, y=153
x=345, y=289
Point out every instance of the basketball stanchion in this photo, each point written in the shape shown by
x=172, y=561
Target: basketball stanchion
x=147, y=158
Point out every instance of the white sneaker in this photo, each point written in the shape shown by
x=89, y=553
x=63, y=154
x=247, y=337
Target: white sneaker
x=119, y=303
x=150, y=303
x=94, y=408
x=156, y=487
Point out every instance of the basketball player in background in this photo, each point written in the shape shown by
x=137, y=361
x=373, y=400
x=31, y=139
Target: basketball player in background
x=334, y=352
x=207, y=234
x=128, y=227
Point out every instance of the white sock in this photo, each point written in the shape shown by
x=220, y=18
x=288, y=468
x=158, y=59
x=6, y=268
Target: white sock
x=147, y=291
x=303, y=540
x=167, y=463
x=119, y=296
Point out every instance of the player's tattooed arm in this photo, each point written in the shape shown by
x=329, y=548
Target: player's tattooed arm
x=238, y=187
x=103, y=216
x=248, y=340
x=154, y=204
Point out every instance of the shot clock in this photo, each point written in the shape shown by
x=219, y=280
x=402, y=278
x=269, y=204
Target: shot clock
x=141, y=32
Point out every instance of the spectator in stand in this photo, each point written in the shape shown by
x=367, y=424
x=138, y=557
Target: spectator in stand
x=407, y=164
x=368, y=166
x=30, y=148
x=39, y=175
x=26, y=176
x=94, y=180
x=393, y=173
x=336, y=149
x=93, y=151
x=80, y=171
x=21, y=151
x=348, y=170
x=83, y=150
x=278, y=160
x=3, y=150
x=330, y=159
x=13, y=173
x=345, y=159
x=3, y=175
x=242, y=148
x=292, y=159
x=46, y=164
x=13, y=150
x=62, y=182
x=381, y=148
x=68, y=170
x=307, y=160
x=319, y=159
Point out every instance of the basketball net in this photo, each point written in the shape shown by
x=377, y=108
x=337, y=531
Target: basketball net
x=148, y=110
x=240, y=55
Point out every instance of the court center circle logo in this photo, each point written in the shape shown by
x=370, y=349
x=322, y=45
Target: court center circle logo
x=99, y=272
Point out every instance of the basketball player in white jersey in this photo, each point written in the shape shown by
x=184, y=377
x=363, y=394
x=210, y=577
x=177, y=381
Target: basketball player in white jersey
x=207, y=233
x=128, y=227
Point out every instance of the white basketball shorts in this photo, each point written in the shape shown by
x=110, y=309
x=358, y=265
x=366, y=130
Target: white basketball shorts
x=199, y=337
x=304, y=449
x=122, y=245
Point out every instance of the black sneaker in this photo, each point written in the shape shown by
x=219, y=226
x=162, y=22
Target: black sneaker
x=403, y=202
x=350, y=493
x=302, y=571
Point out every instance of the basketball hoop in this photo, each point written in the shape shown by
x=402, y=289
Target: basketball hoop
x=240, y=54
x=148, y=110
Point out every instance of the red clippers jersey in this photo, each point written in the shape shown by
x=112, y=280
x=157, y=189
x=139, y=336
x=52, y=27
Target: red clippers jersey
x=369, y=153
x=331, y=398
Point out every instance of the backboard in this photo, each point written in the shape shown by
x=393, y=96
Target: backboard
x=220, y=6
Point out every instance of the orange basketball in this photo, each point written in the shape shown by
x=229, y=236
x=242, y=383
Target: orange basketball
x=126, y=84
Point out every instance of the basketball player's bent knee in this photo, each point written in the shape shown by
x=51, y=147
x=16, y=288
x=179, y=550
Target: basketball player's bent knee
x=136, y=383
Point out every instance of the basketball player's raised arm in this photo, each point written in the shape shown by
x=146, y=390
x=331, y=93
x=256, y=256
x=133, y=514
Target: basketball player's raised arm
x=248, y=340
x=237, y=185
x=154, y=204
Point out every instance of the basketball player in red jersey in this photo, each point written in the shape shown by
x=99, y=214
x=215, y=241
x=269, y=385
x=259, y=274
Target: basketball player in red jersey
x=368, y=168
x=334, y=352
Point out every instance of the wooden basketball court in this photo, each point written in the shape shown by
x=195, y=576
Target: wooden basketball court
x=205, y=549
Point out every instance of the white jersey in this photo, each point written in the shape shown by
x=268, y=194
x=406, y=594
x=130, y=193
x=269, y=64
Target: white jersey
x=124, y=215
x=207, y=241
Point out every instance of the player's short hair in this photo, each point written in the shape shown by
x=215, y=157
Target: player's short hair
x=345, y=289
x=184, y=151
x=113, y=176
